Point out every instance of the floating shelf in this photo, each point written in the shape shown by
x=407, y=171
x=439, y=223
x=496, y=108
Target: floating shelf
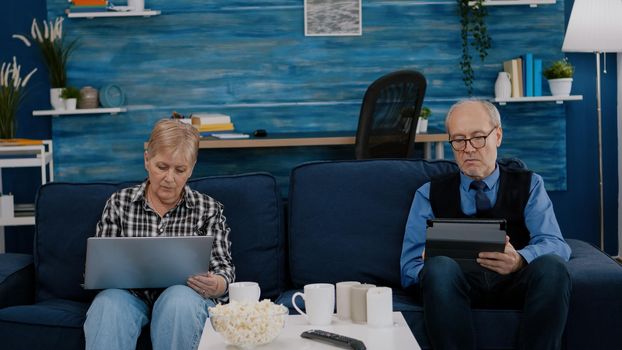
x=531, y=3
x=89, y=15
x=58, y=112
x=556, y=99
x=18, y=221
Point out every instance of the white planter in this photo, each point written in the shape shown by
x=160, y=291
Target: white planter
x=55, y=100
x=70, y=103
x=560, y=87
x=503, y=86
x=6, y=206
x=422, y=126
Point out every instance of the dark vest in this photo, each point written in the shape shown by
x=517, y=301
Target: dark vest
x=512, y=198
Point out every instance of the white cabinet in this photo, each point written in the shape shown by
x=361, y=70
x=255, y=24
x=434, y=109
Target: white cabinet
x=22, y=156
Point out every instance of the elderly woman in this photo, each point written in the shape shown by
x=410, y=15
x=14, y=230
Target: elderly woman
x=163, y=205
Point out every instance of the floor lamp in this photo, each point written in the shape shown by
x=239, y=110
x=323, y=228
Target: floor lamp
x=596, y=26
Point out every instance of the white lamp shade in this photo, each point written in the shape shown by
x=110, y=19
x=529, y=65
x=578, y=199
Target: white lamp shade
x=594, y=26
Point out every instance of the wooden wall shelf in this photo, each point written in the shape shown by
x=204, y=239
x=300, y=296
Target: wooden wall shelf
x=59, y=112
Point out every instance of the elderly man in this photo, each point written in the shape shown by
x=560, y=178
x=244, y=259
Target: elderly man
x=530, y=274
x=163, y=205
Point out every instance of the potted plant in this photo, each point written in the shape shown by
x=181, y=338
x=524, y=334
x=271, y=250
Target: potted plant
x=559, y=75
x=422, y=124
x=55, y=53
x=473, y=32
x=12, y=93
x=70, y=96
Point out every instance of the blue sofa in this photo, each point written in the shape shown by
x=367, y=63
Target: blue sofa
x=345, y=221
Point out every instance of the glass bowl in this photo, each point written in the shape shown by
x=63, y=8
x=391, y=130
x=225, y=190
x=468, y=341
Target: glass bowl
x=247, y=325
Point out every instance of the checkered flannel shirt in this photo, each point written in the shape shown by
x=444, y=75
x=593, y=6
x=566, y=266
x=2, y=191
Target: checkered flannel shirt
x=127, y=214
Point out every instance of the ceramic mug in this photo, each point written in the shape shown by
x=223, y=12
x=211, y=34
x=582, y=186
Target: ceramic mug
x=319, y=303
x=244, y=291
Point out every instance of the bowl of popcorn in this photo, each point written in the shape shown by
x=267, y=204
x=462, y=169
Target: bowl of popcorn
x=247, y=325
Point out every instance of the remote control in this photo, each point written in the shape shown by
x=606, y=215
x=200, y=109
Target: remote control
x=334, y=339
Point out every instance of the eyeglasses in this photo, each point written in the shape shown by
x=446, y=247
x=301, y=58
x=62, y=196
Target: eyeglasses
x=477, y=142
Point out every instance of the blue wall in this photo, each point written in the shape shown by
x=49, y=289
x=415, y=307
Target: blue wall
x=229, y=57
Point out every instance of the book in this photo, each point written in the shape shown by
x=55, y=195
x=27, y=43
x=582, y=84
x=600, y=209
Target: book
x=90, y=2
x=207, y=118
x=20, y=142
x=528, y=73
x=511, y=68
x=537, y=77
x=521, y=84
x=232, y=135
x=215, y=127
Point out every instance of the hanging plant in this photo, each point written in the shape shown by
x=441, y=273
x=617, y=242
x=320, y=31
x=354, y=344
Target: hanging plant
x=473, y=33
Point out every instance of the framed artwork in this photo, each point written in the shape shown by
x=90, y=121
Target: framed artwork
x=333, y=17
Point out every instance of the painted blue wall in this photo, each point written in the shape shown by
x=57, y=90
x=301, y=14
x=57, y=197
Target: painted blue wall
x=232, y=58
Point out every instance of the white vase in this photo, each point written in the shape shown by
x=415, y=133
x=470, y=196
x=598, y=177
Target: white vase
x=422, y=126
x=560, y=87
x=503, y=86
x=55, y=100
x=70, y=103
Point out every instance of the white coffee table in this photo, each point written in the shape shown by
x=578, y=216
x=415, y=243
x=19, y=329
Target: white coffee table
x=397, y=336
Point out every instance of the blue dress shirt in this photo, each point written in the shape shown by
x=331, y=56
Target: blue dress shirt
x=545, y=235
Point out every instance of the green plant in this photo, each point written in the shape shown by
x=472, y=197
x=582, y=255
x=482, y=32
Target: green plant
x=473, y=24
x=70, y=92
x=425, y=113
x=12, y=92
x=55, y=50
x=559, y=69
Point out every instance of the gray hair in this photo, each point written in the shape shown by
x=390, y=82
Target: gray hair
x=493, y=112
x=180, y=138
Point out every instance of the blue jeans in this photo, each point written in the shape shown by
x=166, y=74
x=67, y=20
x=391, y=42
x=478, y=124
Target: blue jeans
x=541, y=289
x=116, y=316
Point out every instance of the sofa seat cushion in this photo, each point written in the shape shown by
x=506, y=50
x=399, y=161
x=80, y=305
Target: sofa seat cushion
x=52, y=312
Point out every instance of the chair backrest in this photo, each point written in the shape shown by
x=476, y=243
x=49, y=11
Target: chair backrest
x=389, y=116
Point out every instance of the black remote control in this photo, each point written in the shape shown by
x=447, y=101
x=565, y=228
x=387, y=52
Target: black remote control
x=335, y=339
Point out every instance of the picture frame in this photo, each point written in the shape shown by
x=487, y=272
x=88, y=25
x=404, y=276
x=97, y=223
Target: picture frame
x=333, y=17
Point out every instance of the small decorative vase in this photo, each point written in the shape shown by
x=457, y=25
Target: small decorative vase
x=503, y=86
x=55, y=100
x=560, y=87
x=70, y=103
x=422, y=126
x=88, y=98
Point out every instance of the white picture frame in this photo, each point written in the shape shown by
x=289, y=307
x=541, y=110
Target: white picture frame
x=333, y=18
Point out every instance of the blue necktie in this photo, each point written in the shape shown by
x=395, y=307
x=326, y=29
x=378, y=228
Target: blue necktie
x=482, y=203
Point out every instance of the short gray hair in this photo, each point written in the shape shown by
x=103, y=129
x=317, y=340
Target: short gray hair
x=173, y=135
x=493, y=112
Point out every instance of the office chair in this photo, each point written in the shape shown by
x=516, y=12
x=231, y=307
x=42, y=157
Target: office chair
x=389, y=116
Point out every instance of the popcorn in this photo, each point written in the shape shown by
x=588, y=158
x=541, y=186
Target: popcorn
x=248, y=324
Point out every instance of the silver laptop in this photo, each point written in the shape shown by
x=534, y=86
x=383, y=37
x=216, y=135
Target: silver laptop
x=145, y=262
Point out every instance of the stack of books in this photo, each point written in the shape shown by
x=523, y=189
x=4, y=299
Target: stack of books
x=88, y=6
x=525, y=74
x=207, y=122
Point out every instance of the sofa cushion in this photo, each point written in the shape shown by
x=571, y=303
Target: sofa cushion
x=16, y=279
x=347, y=218
x=67, y=215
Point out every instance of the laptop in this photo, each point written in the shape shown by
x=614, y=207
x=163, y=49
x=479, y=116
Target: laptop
x=464, y=239
x=145, y=262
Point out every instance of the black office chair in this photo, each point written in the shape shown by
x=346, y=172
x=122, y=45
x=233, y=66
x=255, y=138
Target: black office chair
x=389, y=116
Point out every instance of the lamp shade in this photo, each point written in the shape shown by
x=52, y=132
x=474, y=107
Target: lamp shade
x=594, y=26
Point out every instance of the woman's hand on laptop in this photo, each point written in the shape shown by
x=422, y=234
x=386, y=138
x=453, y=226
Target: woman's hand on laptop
x=503, y=263
x=207, y=284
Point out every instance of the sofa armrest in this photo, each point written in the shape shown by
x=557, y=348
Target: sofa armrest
x=17, y=282
x=595, y=305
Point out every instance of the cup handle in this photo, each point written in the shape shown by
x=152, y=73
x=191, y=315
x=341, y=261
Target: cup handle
x=257, y=292
x=294, y=302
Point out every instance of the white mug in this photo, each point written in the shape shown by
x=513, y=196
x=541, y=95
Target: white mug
x=244, y=291
x=136, y=5
x=343, y=299
x=319, y=303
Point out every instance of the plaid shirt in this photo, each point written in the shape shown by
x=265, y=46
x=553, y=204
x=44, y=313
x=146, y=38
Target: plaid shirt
x=127, y=214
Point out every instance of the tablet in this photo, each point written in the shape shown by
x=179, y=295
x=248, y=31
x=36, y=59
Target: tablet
x=464, y=239
x=145, y=262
